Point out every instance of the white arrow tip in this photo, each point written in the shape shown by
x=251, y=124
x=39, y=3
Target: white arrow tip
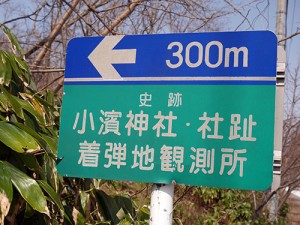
x=103, y=56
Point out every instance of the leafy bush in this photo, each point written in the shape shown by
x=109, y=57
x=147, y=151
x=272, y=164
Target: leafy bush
x=31, y=190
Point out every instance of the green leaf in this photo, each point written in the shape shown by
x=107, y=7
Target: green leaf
x=12, y=59
x=44, y=141
x=35, y=135
x=144, y=213
x=16, y=47
x=45, y=103
x=16, y=107
x=17, y=139
x=36, y=105
x=49, y=96
x=31, y=162
x=4, y=102
x=52, y=143
x=6, y=192
x=5, y=69
x=84, y=200
x=21, y=69
x=53, y=195
x=26, y=73
x=29, y=212
x=31, y=122
x=2, y=118
x=28, y=188
x=125, y=222
x=50, y=191
x=29, y=108
x=77, y=217
x=113, y=208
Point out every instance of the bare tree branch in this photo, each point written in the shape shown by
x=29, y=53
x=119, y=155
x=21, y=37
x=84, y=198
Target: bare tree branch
x=291, y=36
x=86, y=22
x=27, y=16
x=122, y=17
x=54, y=33
x=239, y=12
x=98, y=17
x=47, y=70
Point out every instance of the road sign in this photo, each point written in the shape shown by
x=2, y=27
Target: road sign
x=197, y=109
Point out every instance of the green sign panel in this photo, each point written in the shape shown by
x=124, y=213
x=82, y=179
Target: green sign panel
x=215, y=131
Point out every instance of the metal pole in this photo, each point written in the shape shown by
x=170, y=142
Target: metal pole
x=280, y=21
x=161, y=206
x=281, y=64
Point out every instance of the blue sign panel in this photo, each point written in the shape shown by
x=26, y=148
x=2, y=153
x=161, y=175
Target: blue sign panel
x=229, y=56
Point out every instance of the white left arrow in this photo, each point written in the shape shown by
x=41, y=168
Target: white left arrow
x=103, y=56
